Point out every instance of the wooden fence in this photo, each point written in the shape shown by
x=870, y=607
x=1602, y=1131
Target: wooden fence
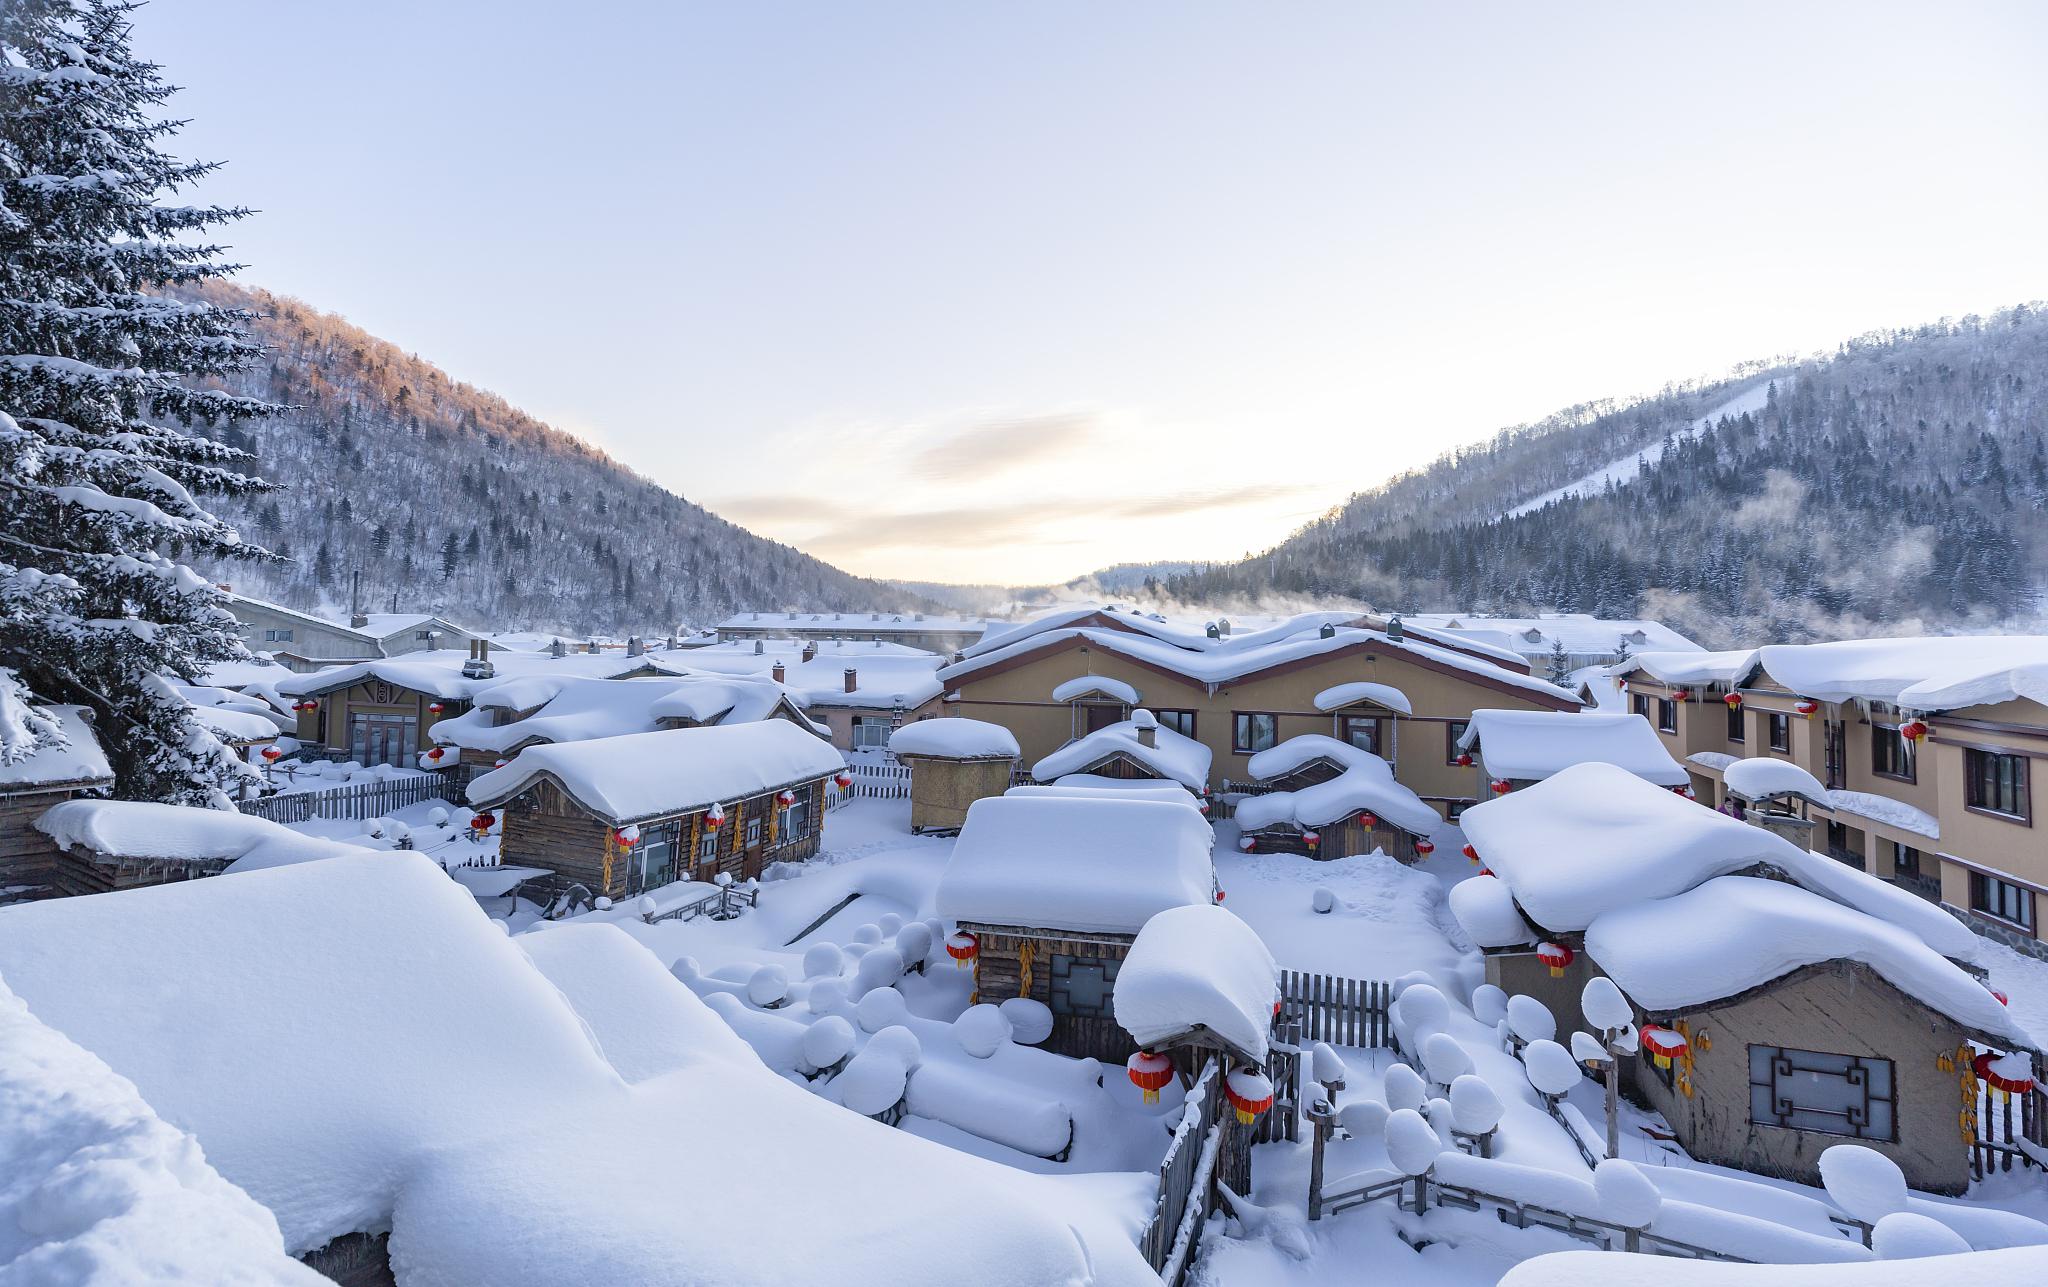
x=872, y=780
x=2010, y=1129
x=1341, y=1011
x=357, y=801
x=1187, y=1174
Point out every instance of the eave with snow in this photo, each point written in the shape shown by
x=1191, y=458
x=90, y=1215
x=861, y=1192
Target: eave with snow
x=1520, y=747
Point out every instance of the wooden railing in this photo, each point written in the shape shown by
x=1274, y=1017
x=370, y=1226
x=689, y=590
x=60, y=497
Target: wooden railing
x=1187, y=1191
x=1341, y=1011
x=357, y=801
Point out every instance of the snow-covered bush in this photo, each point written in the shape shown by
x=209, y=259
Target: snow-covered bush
x=686, y=969
x=1531, y=1019
x=870, y=934
x=823, y=960
x=1475, y=1109
x=643, y=907
x=1603, y=1004
x=882, y=1008
x=1363, y=1118
x=982, y=1030
x=1412, y=1143
x=1551, y=1068
x=826, y=996
x=1489, y=1004
x=900, y=1044
x=914, y=944
x=768, y=987
x=1586, y=1048
x=1906, y=1235
x=374, y=827
x=1627, y=1197
x=1030, y=1021
x=880, y=968
x=1405, y=1088
x=871, y=1083
x=888, y=923
x=1862, y=1181
x=1444, y=1058
x=437, y=816
x=1322, y=900
x=827, y=1041
x=1327, y=1066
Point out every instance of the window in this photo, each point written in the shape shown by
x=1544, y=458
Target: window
x=423, y=635
x=1640, y=704
x=1181, y=722
x=1840, y=846
x=1735, y=729
x=652, y=862
x=1253, y=733
x=790, y=822
x=2011, y=903
x=1996, y=783
x=1781, y=730
x=1363, y=732
x=1454, y=733
x=1667, y=715
x=1804, y=1090
x=753, y=833
x=870, y=732
x=707, y=845
x=1890, y=754
x=1905, y=861
x=384, y=739
x=1083, y=985
x=1455, y=809
x=277, y=636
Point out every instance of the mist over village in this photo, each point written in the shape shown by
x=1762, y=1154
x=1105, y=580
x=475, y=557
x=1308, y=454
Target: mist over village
x=928, y=644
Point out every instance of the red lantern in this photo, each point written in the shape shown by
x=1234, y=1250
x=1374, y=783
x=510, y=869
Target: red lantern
x=1557, y=956
x=1464, y=760
x=1366, y=818
x=435, y=708
x=2000, y=997
x=481, y=822
x=1312, y=838
x=1913, y=730
x=1663, y=1044
x=1203, y=805
x=270, y=753
x=501, y=764
x=1486, y=871
x=1733, y=699
x=1806, y=706
x=627, y=837
x=436, y=754
x=1425, y=847
x=308, y=705
x=1249, y=1092
x=714, y=817
x=1501, y=786
x=785, y=798
x=1150, y=1072
x=1471, y=853
x=2007, y=1074
x=963, y=948
x=842, y=779
x=1681, y=694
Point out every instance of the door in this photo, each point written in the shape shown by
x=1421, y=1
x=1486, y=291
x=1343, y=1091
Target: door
x=1096, y=715
x=1834, y=750
x=385, y=739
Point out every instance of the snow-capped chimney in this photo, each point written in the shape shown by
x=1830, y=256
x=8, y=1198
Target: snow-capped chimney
x=1328, y=631
x=479, y=664
x=852, y=679
x=1223, y=626
x=810, y=651
x=634, y=647
x=358, y=620
x=1147, y=725
x=558, y=648
x=1394, y=628
x=759, y=647
x=776, y=672
x=1213, y=632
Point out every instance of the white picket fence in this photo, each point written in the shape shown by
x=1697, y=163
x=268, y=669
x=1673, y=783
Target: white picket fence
x=873, y=779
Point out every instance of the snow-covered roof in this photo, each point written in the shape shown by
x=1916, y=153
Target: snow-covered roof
x=1761, y=777
x=311, y=619
x=1932, y=673
x=359, y=1047
x=1733, y=933
x=1595, y=838
x=1606, y=1269
x=651, y=775
x=826, y=622
x=1884, y=809
x=137, y=831
x=1342, y=695
x=1103, y=865
x=1303, y=749
x=1367, y=783
x=99, y=1187
x=1198, y=967
x=1087, y=786
x=1095, y=686
x=383, y=625
x=1485, y=908
x=883, y=681
x=1723, y=669
x=438, y=672
x=1580, y=632
x=1172, y=755
x=955, y=738
x=1526, y=745
x=1219, y=661
x=47, y=746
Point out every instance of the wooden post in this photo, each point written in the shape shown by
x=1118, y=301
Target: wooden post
x=1613, y=1094
x=1319, y=1116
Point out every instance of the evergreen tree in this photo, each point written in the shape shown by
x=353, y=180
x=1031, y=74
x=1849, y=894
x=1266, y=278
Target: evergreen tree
x=1560, y=664
x=99, y=482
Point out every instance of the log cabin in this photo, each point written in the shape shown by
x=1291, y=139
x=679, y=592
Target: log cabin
x=1331, y=799
x=31, y=865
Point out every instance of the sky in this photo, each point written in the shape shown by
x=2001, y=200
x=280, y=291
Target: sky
x=1004, y=293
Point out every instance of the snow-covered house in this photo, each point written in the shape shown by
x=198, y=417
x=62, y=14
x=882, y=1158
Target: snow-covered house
x=1521, y=747
x=48, y=755
x=510, y=715
x=932, y=632
x=1684, y=696
x=1332, y=799
x=122, y=844
x=307, y=642
x=953, y=762
x=1403, y=694
x=620, y=815
x=1138, y=747
x=1054, y=889
x=1584, y=639
x=860, y=691
x=1796, y=1002
x=1199, y=979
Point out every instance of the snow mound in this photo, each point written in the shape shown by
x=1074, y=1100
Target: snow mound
x=1862, y=1181
x=643, y=1021
x=1904, y=1235
x=955, y=738
x=1534, y=745
x=1762, y=777
x=1198, y=967
x=1172, y=756
x=210, y=838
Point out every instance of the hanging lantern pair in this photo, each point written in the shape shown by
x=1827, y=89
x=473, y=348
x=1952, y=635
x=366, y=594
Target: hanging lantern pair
x=1663, y=1044
x=307, y=704
x=1557, y=956
x=1250, y=1093
x=1501, y=786
x=1913, y=730
x=1464, y=760
x=963, y=948
x=481, y=822
x=1425, y=848
x=1150, y=1072
x=1806, y=706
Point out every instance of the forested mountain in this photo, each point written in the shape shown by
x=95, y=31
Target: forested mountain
x=454, y=500
x=1899, y=483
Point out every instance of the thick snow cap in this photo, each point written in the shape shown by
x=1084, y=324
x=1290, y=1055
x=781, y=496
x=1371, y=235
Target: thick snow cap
x=1533, y=745
x=1924, y=674
x=208, y=838
x=955, y=738
x=1171, y=756
x=1367, y=783
x=1352, y=694
x=1106, y=865
x=1761, y=777
x=1707, y=669
x=1609, y=1269
x=650, y=775
x=1198, y=967
x=31, y=735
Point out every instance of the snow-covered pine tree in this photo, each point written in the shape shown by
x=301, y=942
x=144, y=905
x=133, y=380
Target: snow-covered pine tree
x=97, y=482
x=1560, y=662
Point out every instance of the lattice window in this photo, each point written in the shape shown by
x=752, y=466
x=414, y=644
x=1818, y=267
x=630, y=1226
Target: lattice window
x=1805, y=1090
x=1083, y=985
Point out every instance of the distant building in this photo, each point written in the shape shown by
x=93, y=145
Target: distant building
x=943, y=635
x=1587, y=640
x=307, y=642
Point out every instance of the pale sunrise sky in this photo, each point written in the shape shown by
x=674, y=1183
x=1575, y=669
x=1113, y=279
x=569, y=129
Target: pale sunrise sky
x=1008, y=292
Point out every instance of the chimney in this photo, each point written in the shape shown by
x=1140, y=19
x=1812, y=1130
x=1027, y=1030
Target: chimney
x=1223, y=626
x=777, y=673
x=1213, y=632
x=1394, y=628
x=558, y=648
x=1147, y=725
x=479, y=664
x=852, y=679
x=591, y=647
x=759, y=647
x=634, y=647
x=1327, y=632
x=358, y=620
x=810, y=649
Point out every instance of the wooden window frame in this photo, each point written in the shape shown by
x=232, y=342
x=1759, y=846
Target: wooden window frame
x=1379, y=732
x=1887, y=736
x=1193, y=718
x=1238, y=723
x=1454, y=732
x=1667, y=708
x=1738, y=724
x=2023, y=786
x=1980, y=882
x=1778, y=733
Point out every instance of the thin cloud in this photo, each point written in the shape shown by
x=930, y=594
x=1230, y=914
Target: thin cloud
x=1037, y=522
x=1193, y=502
x=996, y=445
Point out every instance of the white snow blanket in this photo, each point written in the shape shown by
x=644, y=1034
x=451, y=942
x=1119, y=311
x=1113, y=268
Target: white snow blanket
x=1095, y=686
x=882, y=679
x=1304, y=749
x=1611, y=1269
x=142, y=832
x=1533, y=745
x=1733, y=933
x=577, y=708
x=438, y=672
x=955, y=738
x=47, y=745
x=648, y=775
x=1923, y=674
x=642, y=1023
x=1761, y=777
x=1086, y=786
x=1486, y=909
x=96, y=1189
x=1595, y=838
x=1171, y=756
x=1198, y=967
x=1367, y=783
x=1360, y=691
x=1884, y=809
x=1106, y=865
x=1705, y=669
